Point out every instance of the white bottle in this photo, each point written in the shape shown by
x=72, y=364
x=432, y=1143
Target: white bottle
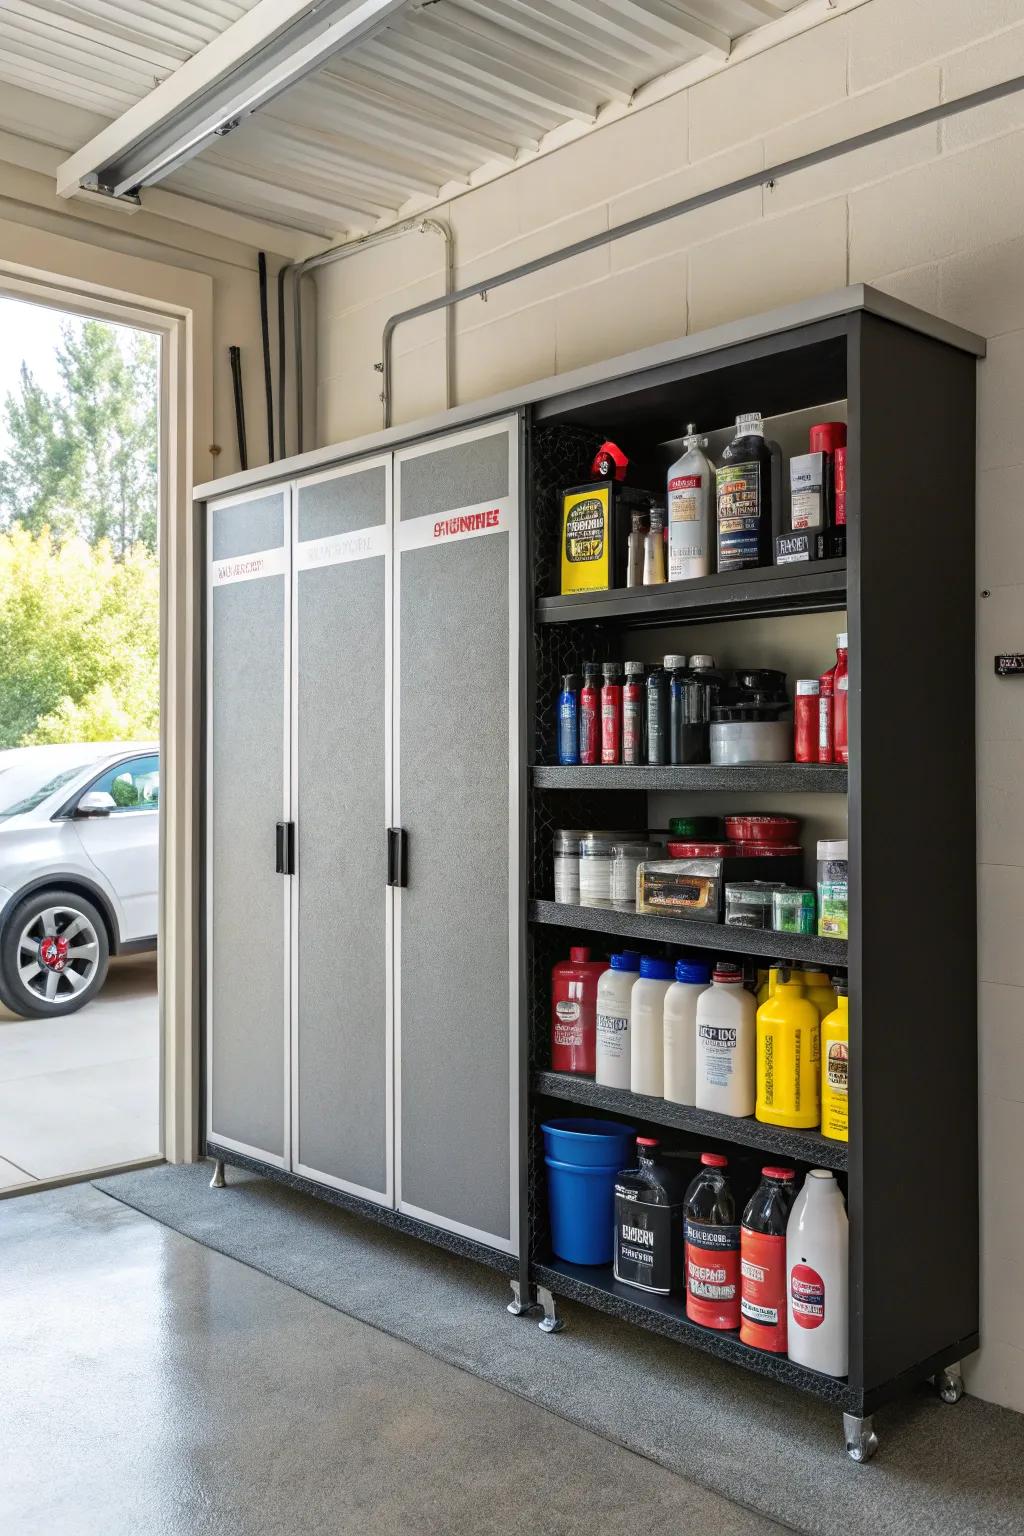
x=727, y=1044
x=817, y=1276
x=692, y=978
x=613, y=993
x=691, y=484
x=647, y=1027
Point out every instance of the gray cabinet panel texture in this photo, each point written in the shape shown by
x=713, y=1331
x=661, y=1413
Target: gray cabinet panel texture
x=340, y=937
x=247, y=898
x=454, y=786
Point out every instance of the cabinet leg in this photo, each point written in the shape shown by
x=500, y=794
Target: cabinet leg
x=861, y=1440
x=218, y=1181
x=518, y=1306
x=550, y=1322
x=949, y=1383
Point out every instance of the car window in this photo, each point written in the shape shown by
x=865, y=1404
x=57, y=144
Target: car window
x=133, y=786
x=37, y=796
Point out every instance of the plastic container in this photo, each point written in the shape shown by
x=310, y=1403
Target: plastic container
x=788, y=1057
x=840, y=725
x=833, y=888
x=689, y=849
x=582, y=1159
x=767, y=828
x=818, y=987
x=693, y=977
x=749, y=905
x=567, y=865
x=763, y=1261
x=626, y=857
x=696, y=828
x=835, y=1069
x=648, y=1223
x=574, y=1012
x=596, y=867
x=680, y=888
x=646, y=1027
x=726, y=1044
x=794, y=911
x=613, y=993
x=712, y=1247
x=751, y=741
x=805, y=720
x=817, y=1265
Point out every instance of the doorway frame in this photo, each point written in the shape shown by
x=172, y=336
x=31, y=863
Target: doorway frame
x=183, y=378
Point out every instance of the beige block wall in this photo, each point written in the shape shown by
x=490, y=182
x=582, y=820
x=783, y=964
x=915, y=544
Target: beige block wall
x=936, y=217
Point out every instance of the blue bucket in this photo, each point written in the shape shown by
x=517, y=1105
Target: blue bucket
x=581, y=1186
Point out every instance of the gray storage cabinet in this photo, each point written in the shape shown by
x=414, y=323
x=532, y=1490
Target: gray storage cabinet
x=363, y=832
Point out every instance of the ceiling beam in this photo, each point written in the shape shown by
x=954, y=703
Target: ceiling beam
x=274, y=45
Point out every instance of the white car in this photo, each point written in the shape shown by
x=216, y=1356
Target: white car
x=78, y=869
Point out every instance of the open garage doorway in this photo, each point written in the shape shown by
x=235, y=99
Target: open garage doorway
x=79, y=744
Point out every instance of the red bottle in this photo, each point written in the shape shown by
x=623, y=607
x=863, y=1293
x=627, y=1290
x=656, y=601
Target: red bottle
x=633, y=713
x=826, y=699
x=806, y=708
x=763, y=1261
x=590, y=713
x=712, y=1247
x=840, y=716
x=611, y=713
x=574, y=1013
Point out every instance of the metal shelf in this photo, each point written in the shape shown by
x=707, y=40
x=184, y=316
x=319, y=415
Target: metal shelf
x=596, y=1287
x=748, y=778
x=781, y=1141
x=818, y=587
x=766, y=943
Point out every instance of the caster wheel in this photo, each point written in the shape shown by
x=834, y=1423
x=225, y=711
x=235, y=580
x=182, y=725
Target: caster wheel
x=861, y=1440
x=950, y=1385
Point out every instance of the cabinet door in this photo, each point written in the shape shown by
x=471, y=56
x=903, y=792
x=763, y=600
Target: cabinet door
x=341, y=933
x=247, y=795
x=457, y=795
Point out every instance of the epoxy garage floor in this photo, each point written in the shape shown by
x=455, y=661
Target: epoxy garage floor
x=149, y=1384
x=82, y=1092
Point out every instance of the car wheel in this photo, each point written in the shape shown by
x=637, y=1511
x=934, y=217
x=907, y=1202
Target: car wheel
x=54, y=953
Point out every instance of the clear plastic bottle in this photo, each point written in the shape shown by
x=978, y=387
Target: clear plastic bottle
x=692, y=978
x=691, y=500
x=726, y=1044
x=647, y=1027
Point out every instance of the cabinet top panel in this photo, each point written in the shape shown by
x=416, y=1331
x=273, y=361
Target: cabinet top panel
x=829, y=306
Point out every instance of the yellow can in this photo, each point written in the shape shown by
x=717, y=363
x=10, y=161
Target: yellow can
x=835, y=1070
x=788, y=1056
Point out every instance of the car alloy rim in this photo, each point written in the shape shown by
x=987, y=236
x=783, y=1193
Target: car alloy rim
x=58, y=953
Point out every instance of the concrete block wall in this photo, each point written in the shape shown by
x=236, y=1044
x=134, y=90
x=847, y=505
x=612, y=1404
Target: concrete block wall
x=936, y=217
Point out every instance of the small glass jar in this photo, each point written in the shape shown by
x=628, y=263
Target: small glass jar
x=625, y=858
x=833, y=888
x=793, y=911
x=596, y=868
x=567, y=866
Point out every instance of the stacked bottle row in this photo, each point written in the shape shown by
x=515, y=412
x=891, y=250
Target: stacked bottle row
x=683, y=1033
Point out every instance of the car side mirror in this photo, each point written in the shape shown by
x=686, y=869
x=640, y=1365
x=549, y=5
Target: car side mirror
x=96, y=803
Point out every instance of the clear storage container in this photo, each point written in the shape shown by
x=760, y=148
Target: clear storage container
x=567, y=865
x=596, y=867
x=625, y=859
x=680, y=888
x=749, y=905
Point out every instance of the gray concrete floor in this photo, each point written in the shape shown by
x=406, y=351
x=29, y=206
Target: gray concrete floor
x=82, y=1092
x=150, y=1387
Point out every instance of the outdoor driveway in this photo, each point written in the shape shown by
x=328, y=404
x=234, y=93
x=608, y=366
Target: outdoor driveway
x=82, y=1092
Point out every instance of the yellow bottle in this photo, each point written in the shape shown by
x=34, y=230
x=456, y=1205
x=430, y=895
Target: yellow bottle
x=788, y=1060
x=766, y=984
x=835, y=1069
x=820, y=991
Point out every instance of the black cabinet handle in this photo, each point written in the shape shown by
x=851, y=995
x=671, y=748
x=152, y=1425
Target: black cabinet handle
x=284, y=848
x=398, y=856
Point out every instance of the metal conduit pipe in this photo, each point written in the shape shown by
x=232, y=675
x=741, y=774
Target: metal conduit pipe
x=302, y=269
x=766, y=177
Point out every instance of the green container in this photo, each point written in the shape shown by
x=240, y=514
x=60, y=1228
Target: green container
x=793, y=911
x=700, y=829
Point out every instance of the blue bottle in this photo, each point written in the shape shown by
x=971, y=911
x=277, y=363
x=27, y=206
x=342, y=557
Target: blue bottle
x=568, y=721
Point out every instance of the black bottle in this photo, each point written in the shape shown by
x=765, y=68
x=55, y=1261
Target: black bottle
x=657, y=712
x=649, y=1223
x=746, y=494
x=689, y=716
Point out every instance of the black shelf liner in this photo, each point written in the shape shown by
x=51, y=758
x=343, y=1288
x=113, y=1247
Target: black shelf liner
x=596, y=1287
x=762, y=942
x=818, y=587
x=747, y=778
x=781, y=1141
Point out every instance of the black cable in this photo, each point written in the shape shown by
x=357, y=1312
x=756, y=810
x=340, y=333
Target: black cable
x=267, y=373
x=282, y=364
x=235, y=357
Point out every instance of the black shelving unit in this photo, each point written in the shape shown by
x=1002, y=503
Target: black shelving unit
x=909, y=600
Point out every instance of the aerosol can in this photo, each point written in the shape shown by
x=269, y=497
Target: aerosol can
x=691, y=500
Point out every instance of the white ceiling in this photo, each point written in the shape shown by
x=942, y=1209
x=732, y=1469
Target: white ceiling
x=446, y=93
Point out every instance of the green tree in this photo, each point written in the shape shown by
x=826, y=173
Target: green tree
x=79, y=641
x=83, y=461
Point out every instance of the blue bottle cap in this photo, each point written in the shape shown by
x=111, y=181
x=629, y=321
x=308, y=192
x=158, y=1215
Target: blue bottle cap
x=656, y=970
x=629, y=960
x=697, y=971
